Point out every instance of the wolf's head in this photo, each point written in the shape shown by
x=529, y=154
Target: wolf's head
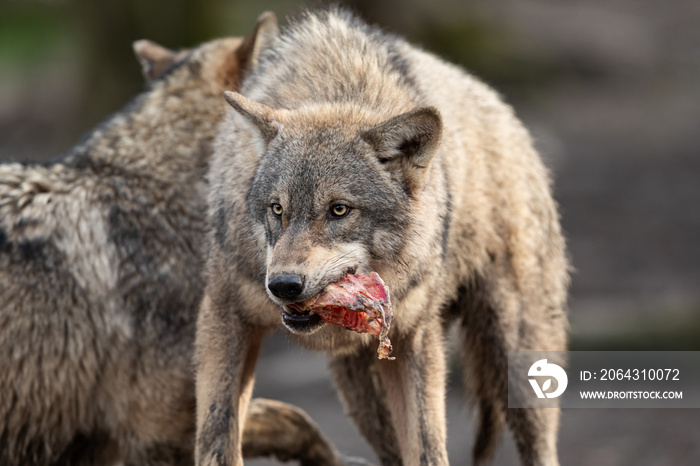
x=333, y=191
x=170, y=127
x=221, y=62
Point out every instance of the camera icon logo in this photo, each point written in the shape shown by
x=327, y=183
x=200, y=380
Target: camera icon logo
x=551, y=370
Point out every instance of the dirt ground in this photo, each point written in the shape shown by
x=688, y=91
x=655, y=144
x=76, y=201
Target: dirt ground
x=588, y=437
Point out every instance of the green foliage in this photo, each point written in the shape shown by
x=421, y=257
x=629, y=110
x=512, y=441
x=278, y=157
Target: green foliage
x=31, y=33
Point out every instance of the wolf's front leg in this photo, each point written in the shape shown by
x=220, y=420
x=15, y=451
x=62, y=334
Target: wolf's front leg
x=226, y=352
x=364, y=398
x=415, y=391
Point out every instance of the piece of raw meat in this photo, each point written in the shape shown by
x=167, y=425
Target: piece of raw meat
x=357, y=302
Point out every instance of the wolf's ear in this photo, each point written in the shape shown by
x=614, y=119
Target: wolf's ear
x=155, y=59
x=407, y=143
x=262, y=36
x=262, y=116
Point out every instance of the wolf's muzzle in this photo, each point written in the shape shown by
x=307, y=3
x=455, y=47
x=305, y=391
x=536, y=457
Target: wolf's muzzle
x=286, y=286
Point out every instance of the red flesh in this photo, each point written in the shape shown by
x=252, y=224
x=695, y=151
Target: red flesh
x=357, y=302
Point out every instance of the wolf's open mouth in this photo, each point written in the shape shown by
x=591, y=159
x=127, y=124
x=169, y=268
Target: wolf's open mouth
x=300, y=320
x=357, y=302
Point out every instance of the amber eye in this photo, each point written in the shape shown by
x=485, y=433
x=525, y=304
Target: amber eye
x=276, y=209
x=339, y=210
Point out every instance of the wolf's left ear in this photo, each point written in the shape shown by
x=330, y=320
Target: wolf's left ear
x=407, y=142
x=154, y=58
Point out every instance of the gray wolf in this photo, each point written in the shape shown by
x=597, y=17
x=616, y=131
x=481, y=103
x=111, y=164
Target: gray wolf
x=350, y=151
x=100, y=260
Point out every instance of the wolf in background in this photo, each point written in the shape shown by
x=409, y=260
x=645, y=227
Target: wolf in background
x=100, y=260
x=353, y=151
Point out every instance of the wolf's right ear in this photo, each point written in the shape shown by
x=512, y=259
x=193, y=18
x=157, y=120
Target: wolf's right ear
x=262, y=116
x=265, y=32
x=155, y=59
x=406, y=143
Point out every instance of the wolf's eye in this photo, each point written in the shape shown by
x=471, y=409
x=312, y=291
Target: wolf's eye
x=276, y=209
x=339, y=210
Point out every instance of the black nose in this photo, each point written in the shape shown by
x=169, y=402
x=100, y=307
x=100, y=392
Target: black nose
x=286, y=285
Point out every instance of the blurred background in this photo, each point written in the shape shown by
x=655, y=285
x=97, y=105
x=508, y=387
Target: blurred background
x=610, y=91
